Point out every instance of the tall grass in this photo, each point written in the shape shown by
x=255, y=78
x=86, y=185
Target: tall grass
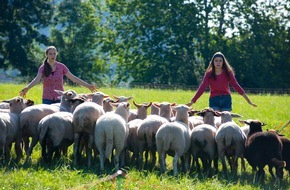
x=272, y=109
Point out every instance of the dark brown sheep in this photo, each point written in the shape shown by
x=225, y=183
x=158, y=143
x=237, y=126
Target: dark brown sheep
x=263, y=148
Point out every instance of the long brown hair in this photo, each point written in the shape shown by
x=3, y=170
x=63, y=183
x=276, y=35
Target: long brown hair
x=47, y=68
x=226, y=66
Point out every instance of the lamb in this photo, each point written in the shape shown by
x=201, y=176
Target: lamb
x=111, y=132
x=141, y=112
x=84, y=119
x=55, y=130
x=147, y=130
x=30, y=117
x=174, y=136
x=203, y=143
x=65, y=96
x=230, y=141
x=106, y=104
x=263, y=148
x=9, y=127
x=133, y=125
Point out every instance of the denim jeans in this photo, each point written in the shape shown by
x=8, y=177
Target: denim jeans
x=221, y=103
x=47, y=101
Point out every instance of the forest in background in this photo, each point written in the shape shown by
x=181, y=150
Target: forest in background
x=109, y=42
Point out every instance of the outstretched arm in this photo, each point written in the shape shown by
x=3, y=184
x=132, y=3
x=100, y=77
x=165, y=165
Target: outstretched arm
x=248, y=100
x=79, y=81
x=35, y=81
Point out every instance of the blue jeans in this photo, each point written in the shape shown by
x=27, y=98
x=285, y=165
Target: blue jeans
x=47, y=101
x=221, y=103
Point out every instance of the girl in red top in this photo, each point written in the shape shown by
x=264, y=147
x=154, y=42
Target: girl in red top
x=218, y=76
x=51, y=72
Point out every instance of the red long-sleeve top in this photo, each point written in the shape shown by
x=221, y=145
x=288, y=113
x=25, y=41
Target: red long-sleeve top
x=219, y=86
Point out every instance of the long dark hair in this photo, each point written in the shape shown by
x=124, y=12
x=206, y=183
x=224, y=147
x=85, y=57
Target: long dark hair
x=226, y=66
x=47, y=68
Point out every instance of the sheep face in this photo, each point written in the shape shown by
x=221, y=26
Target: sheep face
x=255, y=126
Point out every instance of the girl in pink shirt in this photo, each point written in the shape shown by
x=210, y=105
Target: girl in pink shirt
x=218, y=76
x=52, y=72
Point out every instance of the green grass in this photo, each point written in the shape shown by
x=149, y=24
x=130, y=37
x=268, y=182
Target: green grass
x=272, y=109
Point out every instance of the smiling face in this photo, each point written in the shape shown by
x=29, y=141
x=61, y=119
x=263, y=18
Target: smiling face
x=51, y=54
x=218, y=63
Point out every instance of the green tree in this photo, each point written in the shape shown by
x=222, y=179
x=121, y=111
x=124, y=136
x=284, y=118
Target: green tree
x=156, y=41
x=77, y=38
x=20, y=25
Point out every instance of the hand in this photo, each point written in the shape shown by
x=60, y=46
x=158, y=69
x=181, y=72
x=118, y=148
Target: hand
x=93, y=88
x=189, y=104
x=23, y=92
x=251, y=103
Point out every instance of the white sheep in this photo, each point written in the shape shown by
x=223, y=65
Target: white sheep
x=230, y=141
x=111, y=132
x=106, y=104
x=147, y=130
x=140, y=112
x=30, y=117
x=55, y=133
x=203, y=145
x=65, y=97
x=174, y=136
x=9, y=127
x=84, y=119
x=133, y=141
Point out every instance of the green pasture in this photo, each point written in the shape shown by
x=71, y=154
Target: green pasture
x=272, y=109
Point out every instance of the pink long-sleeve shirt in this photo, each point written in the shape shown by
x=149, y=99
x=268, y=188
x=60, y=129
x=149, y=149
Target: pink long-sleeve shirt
x=53, y=81
x=219, y=86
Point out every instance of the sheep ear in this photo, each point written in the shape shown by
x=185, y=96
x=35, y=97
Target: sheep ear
x=148, y=105
x=236, y=115
x=137, y=105
x=216, y=113
x=59, y=92
x=173, y=104
x=156, y=105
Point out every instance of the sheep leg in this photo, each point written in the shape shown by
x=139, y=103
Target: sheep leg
x=153, y=158
x=140, y=158
x=175, y=164
x=7, y=153
x=43, y=150
x=223, y=159
x=260, y=175
x=18, y=150
x=215, y=162
x=76, y=144
x=162, y=163
x=30, y=149
x=89, y=149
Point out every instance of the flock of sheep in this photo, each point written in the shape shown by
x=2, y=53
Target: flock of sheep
x=112, y=130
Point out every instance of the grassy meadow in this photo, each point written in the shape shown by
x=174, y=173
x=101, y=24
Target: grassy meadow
x=272, y=109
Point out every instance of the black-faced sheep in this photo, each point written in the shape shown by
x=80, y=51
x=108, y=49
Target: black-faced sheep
x=263, y=148
x=111, y=132
x=174, y=136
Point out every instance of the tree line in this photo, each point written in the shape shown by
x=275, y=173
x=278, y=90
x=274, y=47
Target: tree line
x=168, y=42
